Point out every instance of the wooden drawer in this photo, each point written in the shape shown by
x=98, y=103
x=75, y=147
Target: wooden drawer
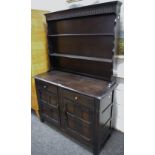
x=79, y=98
x=46, y=86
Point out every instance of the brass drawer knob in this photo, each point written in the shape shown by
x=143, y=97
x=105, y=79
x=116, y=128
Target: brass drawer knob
x=76, y=98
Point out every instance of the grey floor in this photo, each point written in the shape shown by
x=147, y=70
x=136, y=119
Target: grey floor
x=46, y=140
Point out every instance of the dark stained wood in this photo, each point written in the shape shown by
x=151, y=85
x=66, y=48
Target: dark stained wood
x=79, y=99
x=81, y=34
x=52, y=114
x=74, y=25
x=81, y=57
x=86, y=11
x=94, y=46
x=100, y=70
x=83, y=109
x=86, y=33
x=45, y=86
x=76, y=94
x=82, y=84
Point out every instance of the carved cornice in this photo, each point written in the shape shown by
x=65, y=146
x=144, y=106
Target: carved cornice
x=103, y=8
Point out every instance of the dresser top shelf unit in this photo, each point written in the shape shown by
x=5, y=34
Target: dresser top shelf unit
x=81, y=84
x=83, y=40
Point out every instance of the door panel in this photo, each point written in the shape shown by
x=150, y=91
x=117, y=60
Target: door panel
x=52, y=114
x=82, y=129
x=49, y=106
x=48, y=101
x=79, y=111
x=49, y=98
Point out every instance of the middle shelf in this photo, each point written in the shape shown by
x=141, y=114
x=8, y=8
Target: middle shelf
x=81, y=34
x=81, y=57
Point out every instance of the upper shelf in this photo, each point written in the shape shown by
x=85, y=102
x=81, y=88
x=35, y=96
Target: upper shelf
x=82, y=34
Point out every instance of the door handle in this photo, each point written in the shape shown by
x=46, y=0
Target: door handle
x=64, y=111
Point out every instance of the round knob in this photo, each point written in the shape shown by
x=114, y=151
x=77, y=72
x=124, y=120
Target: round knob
x=76, y=98
x=45, y=86
x=109, y=85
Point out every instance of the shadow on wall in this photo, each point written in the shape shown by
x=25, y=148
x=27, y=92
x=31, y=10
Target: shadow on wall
x=118, y=107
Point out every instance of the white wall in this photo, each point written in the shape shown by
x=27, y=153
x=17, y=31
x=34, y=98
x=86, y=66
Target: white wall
x=118, y=111
x=118, y=108
x=49, y=5
x=55, y=5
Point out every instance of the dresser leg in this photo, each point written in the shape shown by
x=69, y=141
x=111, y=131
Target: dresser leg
x=41, y=119
x=96, y=151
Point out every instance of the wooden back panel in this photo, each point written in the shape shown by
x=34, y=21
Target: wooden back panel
x=91, y=46
x=90, y=24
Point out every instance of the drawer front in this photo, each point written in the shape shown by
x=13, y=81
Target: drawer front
x=79, y=98
x=46, y=86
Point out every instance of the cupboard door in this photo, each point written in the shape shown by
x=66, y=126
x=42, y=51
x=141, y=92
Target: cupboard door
x=48, y=102
x=49, y=106
x=78, y=116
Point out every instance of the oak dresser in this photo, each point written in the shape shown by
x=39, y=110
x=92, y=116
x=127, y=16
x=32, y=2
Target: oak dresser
x=76, y=94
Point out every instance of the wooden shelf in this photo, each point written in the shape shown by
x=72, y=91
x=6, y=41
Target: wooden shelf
x=81, y=57
x=81, y=34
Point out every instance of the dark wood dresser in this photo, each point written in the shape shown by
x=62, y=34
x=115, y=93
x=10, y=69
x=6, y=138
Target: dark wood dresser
x=76, y=95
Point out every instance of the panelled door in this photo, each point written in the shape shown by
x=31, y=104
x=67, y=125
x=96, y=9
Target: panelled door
x=78, y=114
x=48, y=101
